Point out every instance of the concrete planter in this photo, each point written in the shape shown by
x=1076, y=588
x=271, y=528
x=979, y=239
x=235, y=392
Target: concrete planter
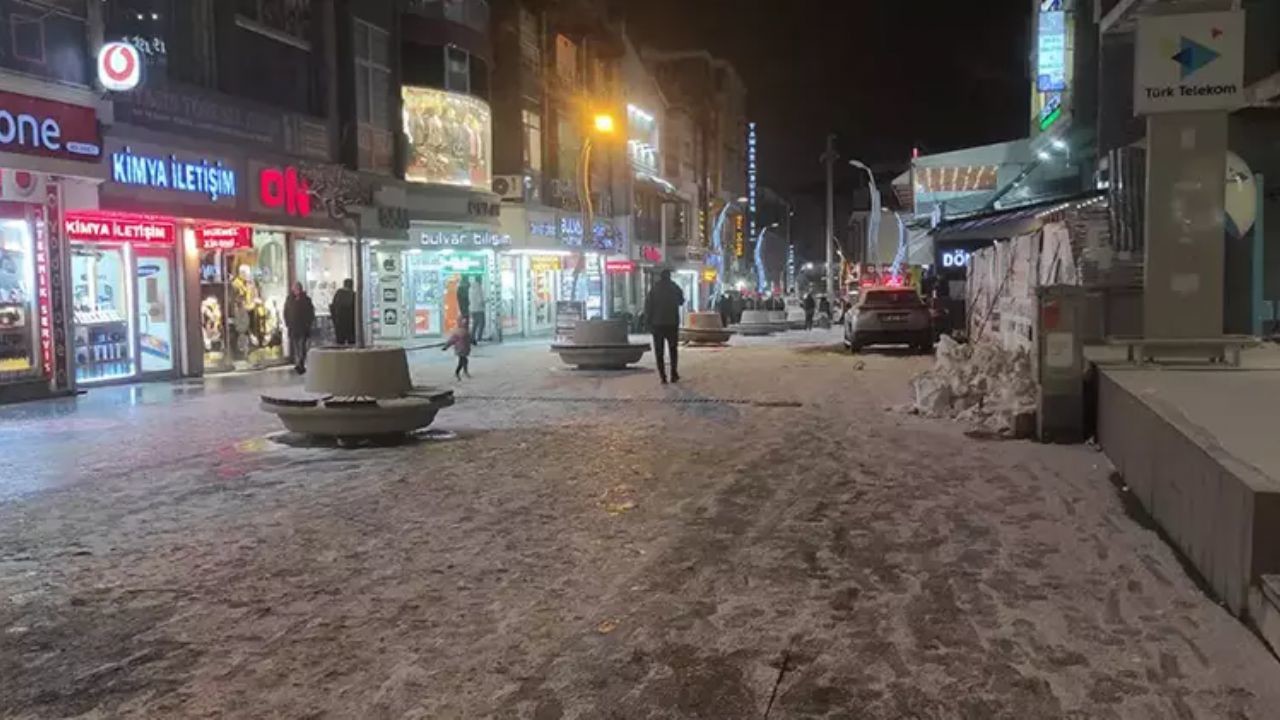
x=757, y=322
x=705, y=328
x=360, y=393
x=600, y=345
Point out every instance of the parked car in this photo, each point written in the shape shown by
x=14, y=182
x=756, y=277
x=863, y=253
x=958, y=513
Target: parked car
x=889, y=316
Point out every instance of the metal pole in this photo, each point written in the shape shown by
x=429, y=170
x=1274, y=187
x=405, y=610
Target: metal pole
x=830, y=158
x=588, y=219
x=790, y=270
x=361, y=285
x=1259, y=256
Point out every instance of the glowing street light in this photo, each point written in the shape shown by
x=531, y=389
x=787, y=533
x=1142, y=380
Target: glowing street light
x=604, y=123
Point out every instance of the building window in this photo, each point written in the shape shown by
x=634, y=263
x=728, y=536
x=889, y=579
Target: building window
x=286, y=20
x=373, y=75
x=567, y=60
x=533, y=141
x=457, y=70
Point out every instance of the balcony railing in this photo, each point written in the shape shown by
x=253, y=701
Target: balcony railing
x=469, y=13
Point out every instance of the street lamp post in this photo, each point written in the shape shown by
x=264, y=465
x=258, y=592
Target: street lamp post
x=602, y=124
x=761, y=279
x=873, y=221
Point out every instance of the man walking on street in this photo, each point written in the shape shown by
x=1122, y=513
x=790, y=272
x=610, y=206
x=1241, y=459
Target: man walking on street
x=662, y=307
x=343, y=311
x=477, y=310
x=299, y=316
x=809, y=307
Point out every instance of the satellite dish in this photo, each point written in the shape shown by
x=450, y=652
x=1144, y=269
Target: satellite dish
x=1241, y=203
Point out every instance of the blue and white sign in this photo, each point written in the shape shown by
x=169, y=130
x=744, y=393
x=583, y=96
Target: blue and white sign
x=202, y=176
x=1051, y=52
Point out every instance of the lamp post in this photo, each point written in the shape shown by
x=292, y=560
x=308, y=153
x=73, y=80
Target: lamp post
x=873, y=220
x=602, y=124
x=761, y=280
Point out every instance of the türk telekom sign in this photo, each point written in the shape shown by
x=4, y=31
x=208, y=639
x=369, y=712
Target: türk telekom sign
x=35, y=126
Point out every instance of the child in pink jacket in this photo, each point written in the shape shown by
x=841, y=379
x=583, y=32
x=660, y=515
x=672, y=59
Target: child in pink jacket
x=460, y=341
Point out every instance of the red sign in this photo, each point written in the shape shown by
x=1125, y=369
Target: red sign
x=285, y=189
x=92, y=227
x=619, y=267
x=224, y=237
x=651, y=253
x=35, y=126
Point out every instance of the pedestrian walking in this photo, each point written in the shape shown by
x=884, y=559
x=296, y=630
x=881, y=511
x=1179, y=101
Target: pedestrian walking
x=343, y=311
x=460, y=341
x=662, y=307
x=724, y=306
x=299, y=317
x=478, y=308
x=463, y=297
x=809, y=306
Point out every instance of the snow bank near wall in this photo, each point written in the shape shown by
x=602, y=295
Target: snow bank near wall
x=982, y=384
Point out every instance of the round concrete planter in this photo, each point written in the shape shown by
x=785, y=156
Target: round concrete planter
x=704, y=328
x=360, y=393
x=755, y=323
x=600, y=345
x=795, y=319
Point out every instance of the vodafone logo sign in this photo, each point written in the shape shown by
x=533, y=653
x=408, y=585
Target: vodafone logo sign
x=119, y=66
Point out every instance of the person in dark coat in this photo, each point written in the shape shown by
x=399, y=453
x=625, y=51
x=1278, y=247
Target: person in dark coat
x=343, y=311
x=724, y=306
x=464, y=297
x=824, y=306
x=299, y=317
x=809, y=306
x=662, y=307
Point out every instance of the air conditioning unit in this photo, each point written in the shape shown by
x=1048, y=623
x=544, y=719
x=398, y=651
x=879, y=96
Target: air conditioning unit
x=509, y=187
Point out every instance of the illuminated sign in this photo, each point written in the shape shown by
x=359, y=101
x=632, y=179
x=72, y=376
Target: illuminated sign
x=619, y=267
x=224, y=237
x=709, y=275
x=284, y=189
x=119, y=66
x=739, y=236
x=1051, y=52
x=752, y=187
x=200, y=177
x=956, y=259
x=544, y=264
x=462, y=264
x=463, y=238
x=1190, y=62
x=45, y=296
x=651, y=253
x=89, y=227
x=35, y=126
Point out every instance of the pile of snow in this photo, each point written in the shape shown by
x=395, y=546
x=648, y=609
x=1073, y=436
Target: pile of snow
x=982, y=384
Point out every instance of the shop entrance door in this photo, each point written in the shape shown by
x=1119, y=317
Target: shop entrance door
x=155, y=313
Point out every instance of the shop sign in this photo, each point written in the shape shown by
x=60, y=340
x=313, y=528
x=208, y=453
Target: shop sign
x=539, y=264
x=481, y=208
x=191, y=112
x=542, y=228
x=709, y=275
x=619, y=267
x=651, y=253
x=87, y=227
x=1051, y=52
x=49, y=286
x=119, y=66
x=393, y=218
x=201, y=177
x=752, y=177
x=956, y=258
x=284, y=188
x=463, y=238
x=462, y=264
x=1187, y=63
x=21, y=186
x=35, y=126
x=390, y=305
x=739, y=236
x=224, y=237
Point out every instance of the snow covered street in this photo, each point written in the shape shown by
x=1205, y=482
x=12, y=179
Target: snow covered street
x=762, y=540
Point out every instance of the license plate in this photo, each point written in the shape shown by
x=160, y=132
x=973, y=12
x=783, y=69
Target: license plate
x=894, y=318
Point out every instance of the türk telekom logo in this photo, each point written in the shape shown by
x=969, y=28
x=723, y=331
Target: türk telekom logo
x=284, y=189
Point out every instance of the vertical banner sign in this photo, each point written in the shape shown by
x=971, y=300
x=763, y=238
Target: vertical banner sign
x=752, y=179
x=739, y=236
x=43, y=294
x=57, y=284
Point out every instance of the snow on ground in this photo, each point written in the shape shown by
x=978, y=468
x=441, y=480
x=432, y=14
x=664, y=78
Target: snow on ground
x=762, y=540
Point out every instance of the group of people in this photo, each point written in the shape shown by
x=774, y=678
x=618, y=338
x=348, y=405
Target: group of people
x=300, y=319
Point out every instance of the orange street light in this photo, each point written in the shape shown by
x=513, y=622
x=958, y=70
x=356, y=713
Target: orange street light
x=604, y=123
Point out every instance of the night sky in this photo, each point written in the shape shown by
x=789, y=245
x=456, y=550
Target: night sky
x=884, y=75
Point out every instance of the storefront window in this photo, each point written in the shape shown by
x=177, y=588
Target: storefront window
x=590, y=285
x=103, y=345
x=18, y=312
x=242, y=303
x=542, y=292
x=509, y=295
x=449, y=138
x=322, y=266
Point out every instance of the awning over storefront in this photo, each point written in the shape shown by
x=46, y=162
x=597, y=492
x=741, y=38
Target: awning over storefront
x=1007, y=223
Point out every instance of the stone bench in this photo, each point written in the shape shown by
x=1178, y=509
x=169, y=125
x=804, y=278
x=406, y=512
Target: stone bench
x=1225, y=349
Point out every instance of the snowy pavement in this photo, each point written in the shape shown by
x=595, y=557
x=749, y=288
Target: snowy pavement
x=763, y=540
